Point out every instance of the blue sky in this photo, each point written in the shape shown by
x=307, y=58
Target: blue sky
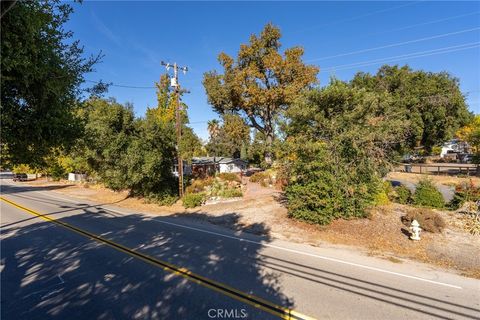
x=342, y=38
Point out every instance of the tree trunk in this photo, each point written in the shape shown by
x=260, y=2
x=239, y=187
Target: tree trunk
x=268, y=151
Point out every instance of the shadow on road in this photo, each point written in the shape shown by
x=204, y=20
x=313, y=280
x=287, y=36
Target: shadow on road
x=52, y=273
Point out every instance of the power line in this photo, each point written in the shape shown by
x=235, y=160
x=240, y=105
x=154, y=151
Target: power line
x=369, y=35
x=198, y=122
x=121, y=85
x=420, y=97
x=426, y=23
x=359, y=16
x=412, y=55
x=429, y=96
x=396, y=44
x=400, y=57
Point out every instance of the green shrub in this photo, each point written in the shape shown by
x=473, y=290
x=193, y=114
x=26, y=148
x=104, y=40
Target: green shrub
x=192, y=200
x=57, y=172
x=22, y=168
x=429, y=220
x=217, y=188
x=387, y=187
x=380, y=199
x=161, y=199
x=381, y=196
x=436, y=150
x=427, y=195
x=465, y=192
x=231, y=193
x=403, y=195
x=326, y=196
x=227, y=176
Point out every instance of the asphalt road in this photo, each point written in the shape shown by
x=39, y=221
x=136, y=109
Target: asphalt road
x=51, y=271
x=447, y=191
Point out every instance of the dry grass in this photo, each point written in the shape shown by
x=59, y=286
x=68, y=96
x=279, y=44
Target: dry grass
x=445, y=180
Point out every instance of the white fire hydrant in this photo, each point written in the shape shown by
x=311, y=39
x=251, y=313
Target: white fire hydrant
x=415, y=228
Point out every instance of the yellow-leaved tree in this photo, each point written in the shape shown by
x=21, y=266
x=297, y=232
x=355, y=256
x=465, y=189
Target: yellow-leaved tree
x=165, y=110
x=261, y=83
x=471, y=134
x=164, y=115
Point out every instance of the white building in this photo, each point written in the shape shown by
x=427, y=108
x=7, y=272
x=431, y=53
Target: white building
x=210, y=165
x=76, y=177
x=232, y=165
x=187, y=169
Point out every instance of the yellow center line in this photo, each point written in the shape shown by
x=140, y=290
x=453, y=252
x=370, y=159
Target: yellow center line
x=224, y=289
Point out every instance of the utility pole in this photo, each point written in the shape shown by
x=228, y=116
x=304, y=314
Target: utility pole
x=178, y=125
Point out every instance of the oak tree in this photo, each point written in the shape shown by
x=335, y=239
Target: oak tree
x=431, y=102
x=42, y=69
x=260, y=83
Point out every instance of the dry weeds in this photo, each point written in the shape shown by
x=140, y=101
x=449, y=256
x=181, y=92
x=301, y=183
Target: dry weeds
x=445, y=180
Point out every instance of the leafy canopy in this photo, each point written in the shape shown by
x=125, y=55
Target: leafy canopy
x=127, y=153
x=261, y=82
x=432, y=102
x=230, y=138
x=41, y=72
x=109, y=131
x=165, y=114
x=338, y=143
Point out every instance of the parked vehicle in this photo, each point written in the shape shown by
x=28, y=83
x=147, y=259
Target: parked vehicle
x=466, y=158
x=20, y=177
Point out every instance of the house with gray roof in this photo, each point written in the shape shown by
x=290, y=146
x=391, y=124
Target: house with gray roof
x=212, y=165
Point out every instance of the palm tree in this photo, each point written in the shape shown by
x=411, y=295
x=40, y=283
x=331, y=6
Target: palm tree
x=213, y=128
x=214, y=132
